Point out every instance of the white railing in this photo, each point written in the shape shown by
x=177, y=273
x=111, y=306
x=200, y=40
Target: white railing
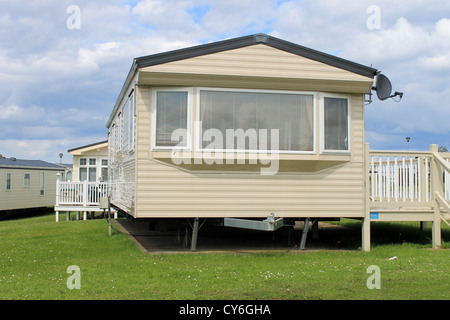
x=404, y=176
x=80, y=193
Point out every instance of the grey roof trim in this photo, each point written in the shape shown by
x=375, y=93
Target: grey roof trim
x=130, y=76
x=28, y=164
x=87, y=146
x=240, y=42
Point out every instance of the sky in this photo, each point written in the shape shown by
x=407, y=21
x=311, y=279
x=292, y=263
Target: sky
x=63, y=63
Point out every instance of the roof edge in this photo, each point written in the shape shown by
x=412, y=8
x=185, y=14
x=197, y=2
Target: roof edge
x=258, y=38
x=87, y=146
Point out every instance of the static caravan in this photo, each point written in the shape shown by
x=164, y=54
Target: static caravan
x=26, y=184
x=90, y=173
x=249, y=131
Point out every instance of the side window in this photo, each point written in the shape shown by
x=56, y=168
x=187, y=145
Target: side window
x=336, y=124
x=170, y=113
x=82, y=176
x=26, y=180
x=8, y=181
x=42, y=183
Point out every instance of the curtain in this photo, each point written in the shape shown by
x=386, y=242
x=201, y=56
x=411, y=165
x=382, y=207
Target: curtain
x=291, y=114
x=336, y=123
x=171, y=114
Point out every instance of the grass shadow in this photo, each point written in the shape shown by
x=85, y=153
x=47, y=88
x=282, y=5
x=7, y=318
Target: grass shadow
x=385, y=233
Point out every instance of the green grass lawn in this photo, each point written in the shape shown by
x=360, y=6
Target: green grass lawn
x=36, y=252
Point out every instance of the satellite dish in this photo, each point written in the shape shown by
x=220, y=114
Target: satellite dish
x=383, y=87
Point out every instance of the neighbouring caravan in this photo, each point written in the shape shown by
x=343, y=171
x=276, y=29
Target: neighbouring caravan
x=90, y=162
x=251, y=129
x=26, y=184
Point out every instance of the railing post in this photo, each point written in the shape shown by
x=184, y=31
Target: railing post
x=436, y=185
x=85, y=193
x=57, y=200
x=57, y=192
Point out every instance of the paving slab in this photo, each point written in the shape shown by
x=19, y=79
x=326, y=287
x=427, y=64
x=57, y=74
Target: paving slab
x=224, y=239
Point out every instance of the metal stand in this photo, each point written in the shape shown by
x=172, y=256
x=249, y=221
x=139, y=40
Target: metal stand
x=194, y=235
x=304, y=234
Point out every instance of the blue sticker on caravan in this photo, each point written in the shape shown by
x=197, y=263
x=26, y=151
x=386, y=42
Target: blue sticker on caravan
x=374, y=215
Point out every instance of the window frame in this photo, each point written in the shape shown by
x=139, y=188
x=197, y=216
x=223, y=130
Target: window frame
x=88, y=166
x=189, y=107
x=42, y=183
x=198, y=140
x=29, y=180
x=131, y=103
x=322, y=97
x=6, y=181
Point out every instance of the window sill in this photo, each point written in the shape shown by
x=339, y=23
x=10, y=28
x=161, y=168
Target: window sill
x=249, y=162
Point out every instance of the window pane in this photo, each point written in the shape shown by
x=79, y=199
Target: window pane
x=131, y=125
x=26, y=180
x=104, y=162
x=336, y=123
x=92, y=162
x=82, y=162
x=41, y=183
x=92, y=174
x=291, y=114
x=83, y=175
x=171, y=114
x=8, y=181
x=104, y=174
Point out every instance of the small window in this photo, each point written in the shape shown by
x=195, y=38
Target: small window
x=171, y=112
x=82, y=161
x=42, y=183
x=26, y=180
x=8, y=181
x=336, y=124
x=92, y=162
x=104, y=171
x=131, y=124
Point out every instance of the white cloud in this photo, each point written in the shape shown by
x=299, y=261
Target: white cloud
x=16, y=114
x=10, y=111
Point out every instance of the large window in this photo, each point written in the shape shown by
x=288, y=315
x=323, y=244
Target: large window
x=251, y=120
x=290, y=113
x=336, y=129
x=88, y=170
x=170, y=113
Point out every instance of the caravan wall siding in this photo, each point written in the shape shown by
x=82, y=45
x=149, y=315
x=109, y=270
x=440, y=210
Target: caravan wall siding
x=147, y=184
x=121, y=156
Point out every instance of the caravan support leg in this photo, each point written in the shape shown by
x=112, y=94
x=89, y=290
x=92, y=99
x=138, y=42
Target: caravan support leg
x=365, y=234
x=194, y=235
x=304, y=234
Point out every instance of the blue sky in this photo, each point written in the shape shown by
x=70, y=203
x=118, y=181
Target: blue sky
x=58, y=85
